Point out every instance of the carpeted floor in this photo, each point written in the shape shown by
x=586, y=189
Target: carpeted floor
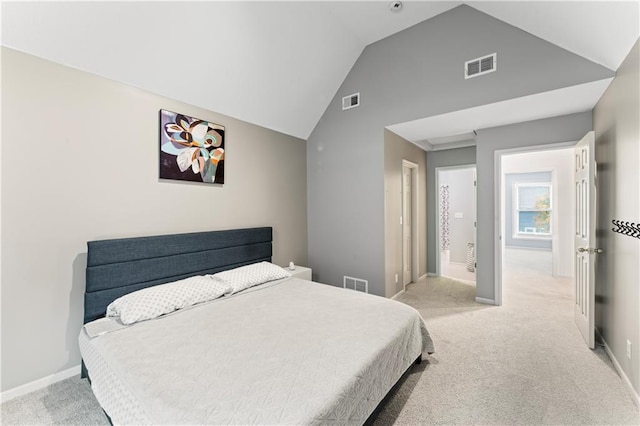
x=522, y=363
x=69, y=402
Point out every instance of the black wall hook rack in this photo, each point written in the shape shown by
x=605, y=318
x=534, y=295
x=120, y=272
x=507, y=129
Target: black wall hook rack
x=626, y=228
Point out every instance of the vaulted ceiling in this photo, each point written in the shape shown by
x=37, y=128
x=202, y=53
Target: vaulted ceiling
x=275, y=64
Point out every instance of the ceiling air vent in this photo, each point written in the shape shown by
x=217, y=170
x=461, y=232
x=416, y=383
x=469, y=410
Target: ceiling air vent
x=480, y=66
x=351, y=101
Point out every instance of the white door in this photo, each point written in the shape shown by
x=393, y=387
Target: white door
x=407, y=253
x=585, y=238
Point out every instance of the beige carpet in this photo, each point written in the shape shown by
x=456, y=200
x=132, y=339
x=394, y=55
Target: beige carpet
x=522, y=363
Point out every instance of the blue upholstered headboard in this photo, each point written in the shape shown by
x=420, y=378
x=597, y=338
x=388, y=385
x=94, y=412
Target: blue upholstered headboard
x=121, y=266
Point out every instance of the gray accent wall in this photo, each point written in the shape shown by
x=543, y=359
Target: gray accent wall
x=413, y=74
x=509, y=180
x=435, y=159
x=616, y=124
x=80, y=163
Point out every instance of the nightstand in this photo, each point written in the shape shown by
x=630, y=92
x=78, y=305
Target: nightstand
x=301, y=272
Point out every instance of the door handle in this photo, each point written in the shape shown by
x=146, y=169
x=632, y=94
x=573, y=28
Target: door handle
x=589, y=250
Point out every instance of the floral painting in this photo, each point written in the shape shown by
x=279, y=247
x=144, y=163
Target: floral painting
x=191, y=149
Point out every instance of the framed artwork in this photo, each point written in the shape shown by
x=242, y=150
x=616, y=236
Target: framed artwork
x=191, y=149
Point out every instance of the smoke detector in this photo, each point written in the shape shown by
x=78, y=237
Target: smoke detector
x=395, y=6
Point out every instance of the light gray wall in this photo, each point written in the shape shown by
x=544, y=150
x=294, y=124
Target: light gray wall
x=461, y=200
x=413, y=74
x=80, y=163
x=435, y=159
x=509, y=240
x=568, y=128
x=397, y=149
x=617, y=131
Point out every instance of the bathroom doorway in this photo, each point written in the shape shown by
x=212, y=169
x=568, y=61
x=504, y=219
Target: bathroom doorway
x=456, y=191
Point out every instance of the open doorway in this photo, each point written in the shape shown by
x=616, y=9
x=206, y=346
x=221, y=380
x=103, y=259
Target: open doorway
x=456, y=218
x=537, y=220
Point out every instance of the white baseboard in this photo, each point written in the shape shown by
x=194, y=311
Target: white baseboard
x=38, y=384
x=398, y=294
x=625, y=379
x=431, y=274
x=485, y=301
x=423, y=277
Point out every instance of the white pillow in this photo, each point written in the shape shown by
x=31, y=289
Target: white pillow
x=250, y=275
x=153, y=302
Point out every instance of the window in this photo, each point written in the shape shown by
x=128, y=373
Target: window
x=532, y=210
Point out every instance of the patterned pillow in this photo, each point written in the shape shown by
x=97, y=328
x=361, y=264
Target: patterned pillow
x=250, y=275
x=153, y=302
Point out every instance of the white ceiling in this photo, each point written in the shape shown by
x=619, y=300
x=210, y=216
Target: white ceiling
x=601, y=31
x=275, y=64
x=455, y=129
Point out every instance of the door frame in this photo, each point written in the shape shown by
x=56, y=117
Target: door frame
x=437, y=207
x=415, y=243
x=499, y=207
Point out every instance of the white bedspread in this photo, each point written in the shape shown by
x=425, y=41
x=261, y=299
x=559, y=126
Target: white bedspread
x=289, y=352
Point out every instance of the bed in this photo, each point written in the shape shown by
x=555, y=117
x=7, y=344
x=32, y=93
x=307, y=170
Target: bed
x=288, y=351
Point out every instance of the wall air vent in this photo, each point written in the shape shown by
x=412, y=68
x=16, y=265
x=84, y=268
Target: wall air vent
x=356, y=284
x=351, y=101
x=480, y=66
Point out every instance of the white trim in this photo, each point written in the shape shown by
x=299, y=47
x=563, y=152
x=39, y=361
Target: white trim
x=424, y=144
x=452, y=145
x=625, y=379
x=485, y=301
x=555, y=219
x=423, y=276
x=432, y=275
x=398, y=294
x=475, y=223
x=39, y=384
x=498, y=227
x=409, y=163
x=415, y=243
